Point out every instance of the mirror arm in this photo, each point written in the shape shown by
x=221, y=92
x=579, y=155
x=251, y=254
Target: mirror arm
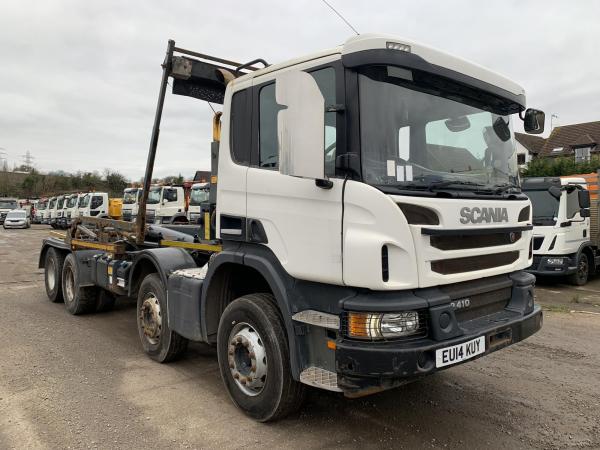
x=521, y=116
x=323, y=184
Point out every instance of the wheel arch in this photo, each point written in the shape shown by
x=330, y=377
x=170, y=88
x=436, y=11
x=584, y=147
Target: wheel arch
x=157, y=260
x=49, y=243
x=222, y=285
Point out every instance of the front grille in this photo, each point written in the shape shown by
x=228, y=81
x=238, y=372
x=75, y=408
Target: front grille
x=126, y=215
x=464, y=241
x=472, y=263
x=422, y=330
x=537, y=242
x=484, y=304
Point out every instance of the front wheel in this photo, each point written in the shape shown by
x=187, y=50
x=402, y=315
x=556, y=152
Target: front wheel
x=158, y=341
x=254, y=359
x=580, y=277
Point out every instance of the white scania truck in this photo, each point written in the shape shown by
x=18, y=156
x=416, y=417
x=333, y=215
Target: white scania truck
x=565, y=233
x=369, y=225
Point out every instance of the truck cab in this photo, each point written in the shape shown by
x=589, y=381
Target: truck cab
x=40, y=209
x=131, y=201
x=57, y=212
x=199, y=193
x=72, y=209
x=563, y=243
x=166, y=204
x=93, y=204
x=7, y=205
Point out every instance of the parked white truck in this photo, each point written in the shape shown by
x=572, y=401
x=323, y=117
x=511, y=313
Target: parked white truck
x=56, y=213
x=199, y=194
x=131, y=201
x=370, y=227
x=7, y=204
x=93, y=204
x=565, y=238
x=166, y=204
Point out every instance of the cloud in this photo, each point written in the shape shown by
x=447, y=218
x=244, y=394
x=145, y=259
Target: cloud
x=80, y=79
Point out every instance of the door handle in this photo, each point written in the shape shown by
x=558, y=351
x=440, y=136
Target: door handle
x=323, y=184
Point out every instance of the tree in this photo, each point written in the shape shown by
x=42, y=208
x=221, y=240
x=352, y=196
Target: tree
x=116, y=182
x=556, y=167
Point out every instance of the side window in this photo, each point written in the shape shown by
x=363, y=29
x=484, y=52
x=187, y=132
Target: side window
x=267, y=132
x=96, y=202
x=572, y=203
x=239, y=129
x=268, y=109
x=170, y=195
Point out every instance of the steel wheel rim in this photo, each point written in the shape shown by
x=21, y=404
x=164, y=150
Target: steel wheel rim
x=69, y=285
x=151, y=318
x=247, y=359
x=50, y=274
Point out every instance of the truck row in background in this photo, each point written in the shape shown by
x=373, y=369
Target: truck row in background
x=166, y=204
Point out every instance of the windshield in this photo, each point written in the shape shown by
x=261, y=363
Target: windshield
x=60, y=202
x=198, y=196
x=84, y=201
x=154, y=195
x=8, y=204
x=52, y=203
x=414, y=135
x=41, y=205
x=545, y=207
x=16, y=214
x=130, y=196
x=71, y=202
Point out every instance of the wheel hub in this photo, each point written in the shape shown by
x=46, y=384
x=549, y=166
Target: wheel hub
x=151, y=318
x=247, y=359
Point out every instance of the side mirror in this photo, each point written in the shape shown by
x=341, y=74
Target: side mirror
x=555, y=192
x=584, y=212
x=300, y=125
x=584, y=198
x=534, y=121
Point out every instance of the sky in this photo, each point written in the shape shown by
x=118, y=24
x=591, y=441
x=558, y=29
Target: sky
x=79, y=79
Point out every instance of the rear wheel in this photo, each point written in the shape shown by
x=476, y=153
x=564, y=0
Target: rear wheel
x=158, y=341
x=53, y=266
x=254, y=360
x=78, y=299
x=580, y=277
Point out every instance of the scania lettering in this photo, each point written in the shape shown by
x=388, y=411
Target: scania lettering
x=337, y=247
x=478, y=215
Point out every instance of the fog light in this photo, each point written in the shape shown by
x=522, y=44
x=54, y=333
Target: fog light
x=554, y=261
x=382, y=326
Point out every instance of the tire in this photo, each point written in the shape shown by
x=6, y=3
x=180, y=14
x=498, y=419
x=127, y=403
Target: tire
x=53, y=267
x=78, y=300
x=105, y=302
x=251, y=326
x=580, y=277
x=158, y=341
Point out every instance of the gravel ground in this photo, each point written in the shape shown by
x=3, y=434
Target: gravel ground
x=84, y=382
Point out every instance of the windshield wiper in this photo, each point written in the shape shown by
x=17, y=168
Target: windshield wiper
x=506, y=187
x=447, y=183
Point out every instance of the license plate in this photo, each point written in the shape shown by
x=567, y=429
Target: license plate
x=461, y=352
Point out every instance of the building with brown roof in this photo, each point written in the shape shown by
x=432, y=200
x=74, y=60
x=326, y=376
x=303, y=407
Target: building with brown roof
x=528, y=147
x=580, y=140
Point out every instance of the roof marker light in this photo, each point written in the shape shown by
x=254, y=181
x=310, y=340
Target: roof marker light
x=398, y=46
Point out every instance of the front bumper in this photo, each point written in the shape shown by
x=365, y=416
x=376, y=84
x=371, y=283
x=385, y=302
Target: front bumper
x=7, y=224
x=540, y=265
x=365, y=367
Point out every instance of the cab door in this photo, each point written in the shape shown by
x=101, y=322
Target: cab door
x=578, y=230
x=302, y=222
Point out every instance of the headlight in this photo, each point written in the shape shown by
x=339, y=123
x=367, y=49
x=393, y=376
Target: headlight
x=376, y=326
x=554, y=261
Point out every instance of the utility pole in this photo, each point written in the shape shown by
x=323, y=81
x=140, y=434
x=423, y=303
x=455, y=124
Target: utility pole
x=3, y=160
x=552, y=117
x=28, y=161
